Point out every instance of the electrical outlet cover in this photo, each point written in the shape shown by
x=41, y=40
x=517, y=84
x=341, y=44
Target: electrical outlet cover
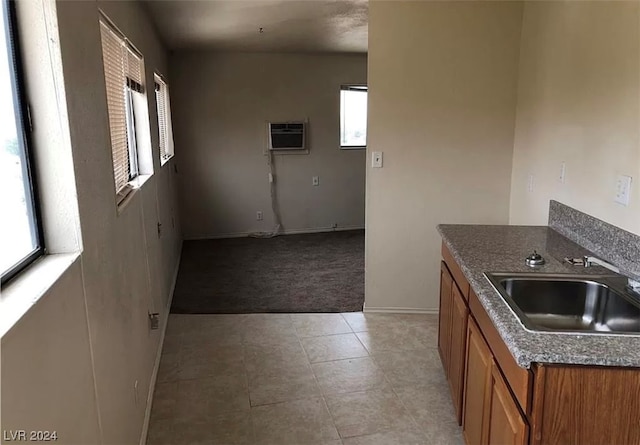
x=376, y=159
x=623, y=190
x=530, y=184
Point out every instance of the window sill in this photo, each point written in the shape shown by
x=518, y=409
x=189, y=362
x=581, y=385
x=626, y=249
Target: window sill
x=353, y=147
x=24, y=291
x=135, y=185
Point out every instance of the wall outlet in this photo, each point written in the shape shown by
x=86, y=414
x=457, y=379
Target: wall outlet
x=315, y=180
x=563, y=172
x=623, y=190
x=258, y=215
x=376, y=159
x=154, y=320
x=530, y=184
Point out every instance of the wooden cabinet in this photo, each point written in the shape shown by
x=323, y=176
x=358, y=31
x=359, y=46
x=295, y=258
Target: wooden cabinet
x=452, y=335
x=500, y=403
x=505, y=424
x=518, y=379
x=578, y=405
x=482, y=401
x=458, y=353
x=477, y=383
x=491, y=415
x=444, y=323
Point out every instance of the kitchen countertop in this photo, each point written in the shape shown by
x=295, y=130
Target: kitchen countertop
x=479, y=249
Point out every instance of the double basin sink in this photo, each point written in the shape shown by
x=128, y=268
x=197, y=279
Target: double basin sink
x=570, y=303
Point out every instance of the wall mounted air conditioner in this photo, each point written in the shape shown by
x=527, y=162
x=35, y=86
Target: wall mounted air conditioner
x=287, y=135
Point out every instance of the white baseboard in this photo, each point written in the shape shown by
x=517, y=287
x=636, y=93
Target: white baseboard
x=284, y=232
x=156, y=366
x=399, y=310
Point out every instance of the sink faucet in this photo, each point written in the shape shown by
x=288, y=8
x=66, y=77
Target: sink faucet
x=588, y=261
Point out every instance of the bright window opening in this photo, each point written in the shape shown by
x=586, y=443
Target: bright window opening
x=353, y=116
x=20, y=236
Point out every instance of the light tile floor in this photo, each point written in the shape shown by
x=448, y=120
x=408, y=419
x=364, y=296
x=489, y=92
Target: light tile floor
x=279, y=379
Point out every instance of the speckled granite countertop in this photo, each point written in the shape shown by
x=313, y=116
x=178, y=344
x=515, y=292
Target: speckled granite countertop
x=479, y=249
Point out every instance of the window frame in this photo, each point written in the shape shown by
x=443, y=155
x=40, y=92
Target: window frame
x=132, y=137
x=25, y=142
x=161, y=86
x=139, y=169
x=352, y=87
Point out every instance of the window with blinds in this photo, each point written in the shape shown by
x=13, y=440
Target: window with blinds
x=124, y=77
x=165, y=129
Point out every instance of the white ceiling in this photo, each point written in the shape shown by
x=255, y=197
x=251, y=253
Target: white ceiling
x=288, y=25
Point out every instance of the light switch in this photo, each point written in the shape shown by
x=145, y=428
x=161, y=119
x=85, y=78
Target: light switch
x=623, y=190
x=563, y=172
x=530, y=183
x=376, y=159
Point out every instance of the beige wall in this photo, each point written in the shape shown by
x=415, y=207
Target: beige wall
x=221, y=104
x=72, y=361
x=47, y=377
x=442, y=80
x=578, y=103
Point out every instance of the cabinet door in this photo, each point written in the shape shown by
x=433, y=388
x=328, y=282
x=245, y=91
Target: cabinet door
x=458, y=350
x=479, y=364
x=444, y=322
x=506, y=424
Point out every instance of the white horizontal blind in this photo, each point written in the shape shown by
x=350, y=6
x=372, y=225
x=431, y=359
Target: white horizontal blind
x=164, y=119
x=134, y=68
x=170, y=147
x=113, y=51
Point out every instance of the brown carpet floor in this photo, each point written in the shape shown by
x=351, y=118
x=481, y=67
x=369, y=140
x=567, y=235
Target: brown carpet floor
x=320, y=272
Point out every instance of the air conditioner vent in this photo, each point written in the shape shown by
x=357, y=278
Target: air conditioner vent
x=287, y=135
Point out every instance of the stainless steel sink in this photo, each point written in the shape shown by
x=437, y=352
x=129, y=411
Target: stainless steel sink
x=581, y=304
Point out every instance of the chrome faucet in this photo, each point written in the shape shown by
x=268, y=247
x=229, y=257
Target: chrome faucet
x=588, y=261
